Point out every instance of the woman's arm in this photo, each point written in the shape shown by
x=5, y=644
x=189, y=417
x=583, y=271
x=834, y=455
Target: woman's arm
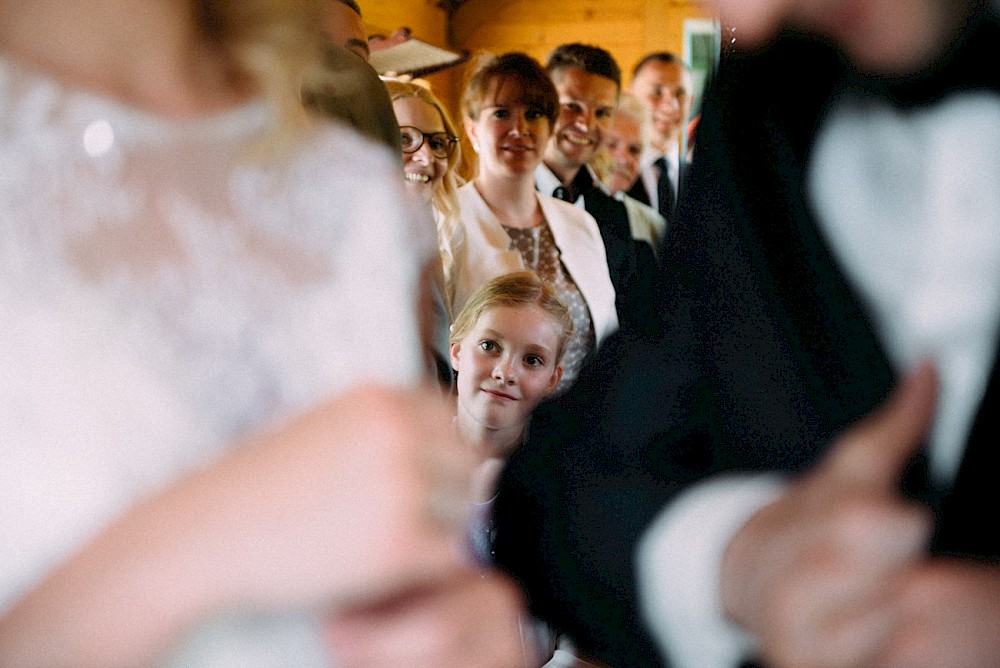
x=359, y=499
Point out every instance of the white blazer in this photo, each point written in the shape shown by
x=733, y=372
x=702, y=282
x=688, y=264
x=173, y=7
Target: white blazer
x=477, y=249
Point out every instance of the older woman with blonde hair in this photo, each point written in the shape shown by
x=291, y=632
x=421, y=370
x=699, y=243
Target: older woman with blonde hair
x=213, y=430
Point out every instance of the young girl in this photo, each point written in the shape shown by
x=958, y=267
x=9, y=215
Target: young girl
x=506, y=347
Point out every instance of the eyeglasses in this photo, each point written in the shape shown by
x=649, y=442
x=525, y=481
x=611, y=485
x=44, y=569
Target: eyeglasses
x=442, y=144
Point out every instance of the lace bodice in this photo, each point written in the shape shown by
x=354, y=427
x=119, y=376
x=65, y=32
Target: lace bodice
x=163, y=294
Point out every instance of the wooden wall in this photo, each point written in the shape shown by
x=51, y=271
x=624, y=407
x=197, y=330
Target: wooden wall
x=626, y=28
x=427, y=21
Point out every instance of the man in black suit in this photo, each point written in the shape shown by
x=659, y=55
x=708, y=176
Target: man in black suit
x=739, y=485
x=663, y=82
x=588, y=82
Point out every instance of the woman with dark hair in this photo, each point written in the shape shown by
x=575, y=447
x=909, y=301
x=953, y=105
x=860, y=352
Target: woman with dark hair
x=504, y=225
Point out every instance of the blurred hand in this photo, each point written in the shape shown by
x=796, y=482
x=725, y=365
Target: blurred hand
x=470, y=619
x=948, y=615
x=360, y=499
x=814, y=575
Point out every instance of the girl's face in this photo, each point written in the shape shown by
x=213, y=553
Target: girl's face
x=506, y=365
x=509, y=136
x=422, y=169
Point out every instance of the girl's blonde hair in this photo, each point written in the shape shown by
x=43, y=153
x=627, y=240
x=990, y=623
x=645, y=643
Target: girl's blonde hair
x=445, y=196
x=276, y=43
x=519, y=288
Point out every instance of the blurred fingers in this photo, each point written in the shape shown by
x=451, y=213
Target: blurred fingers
x=470, y=619
x=873, y=453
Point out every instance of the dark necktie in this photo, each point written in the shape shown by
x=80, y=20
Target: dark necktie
x=638, y=191
x=664, y=189
x=563, y=194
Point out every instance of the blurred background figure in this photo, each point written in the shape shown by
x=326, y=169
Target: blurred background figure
x=663, y=82
x=216, y=428
x=351, y=91
x=345, y=26
x=617, y=165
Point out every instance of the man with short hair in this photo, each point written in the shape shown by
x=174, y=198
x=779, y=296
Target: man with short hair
x=588, y=81
x=345, y=26
x=664, y=83
x=352, y=91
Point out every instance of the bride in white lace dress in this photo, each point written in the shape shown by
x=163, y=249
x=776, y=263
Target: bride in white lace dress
x=171, y=284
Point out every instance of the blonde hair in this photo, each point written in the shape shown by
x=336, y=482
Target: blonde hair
x=276, y=43
x=519, y=288
x=445, y=196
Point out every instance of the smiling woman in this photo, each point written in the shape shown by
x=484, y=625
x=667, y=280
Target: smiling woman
x=431, y=150
x=504, y=225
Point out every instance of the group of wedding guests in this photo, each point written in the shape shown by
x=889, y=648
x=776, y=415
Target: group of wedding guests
x=546, y=158
x=543, y=253
x=219, y=443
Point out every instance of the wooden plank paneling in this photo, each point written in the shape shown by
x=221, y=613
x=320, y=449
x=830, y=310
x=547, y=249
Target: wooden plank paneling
x=427, y=21
x=627, y=28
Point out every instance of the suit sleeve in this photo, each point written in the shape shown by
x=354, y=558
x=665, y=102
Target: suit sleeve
x=575, y=500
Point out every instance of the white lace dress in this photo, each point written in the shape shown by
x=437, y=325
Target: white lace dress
x=163, y=295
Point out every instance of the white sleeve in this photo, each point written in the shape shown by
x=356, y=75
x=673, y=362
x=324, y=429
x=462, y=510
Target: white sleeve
x=679, y=560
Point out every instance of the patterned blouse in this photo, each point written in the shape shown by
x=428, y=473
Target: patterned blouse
x=540, y=254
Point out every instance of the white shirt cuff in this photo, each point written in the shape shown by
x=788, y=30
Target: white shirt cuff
x=679, y=560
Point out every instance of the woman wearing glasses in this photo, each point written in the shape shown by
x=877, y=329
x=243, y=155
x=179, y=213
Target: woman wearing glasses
x=431, y=151
x=214, y=432
x=504, y=225
x=431, y=155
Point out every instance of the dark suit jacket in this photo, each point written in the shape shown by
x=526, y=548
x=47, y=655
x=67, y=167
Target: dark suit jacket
x=638, y=191
x=766, y=356
x=631, y=263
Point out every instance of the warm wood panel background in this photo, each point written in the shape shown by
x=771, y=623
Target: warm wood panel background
x=626, y=28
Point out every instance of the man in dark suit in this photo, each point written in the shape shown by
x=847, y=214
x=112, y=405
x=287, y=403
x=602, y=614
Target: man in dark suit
x=663, y=82
x=694, y=498
x=588, y=82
